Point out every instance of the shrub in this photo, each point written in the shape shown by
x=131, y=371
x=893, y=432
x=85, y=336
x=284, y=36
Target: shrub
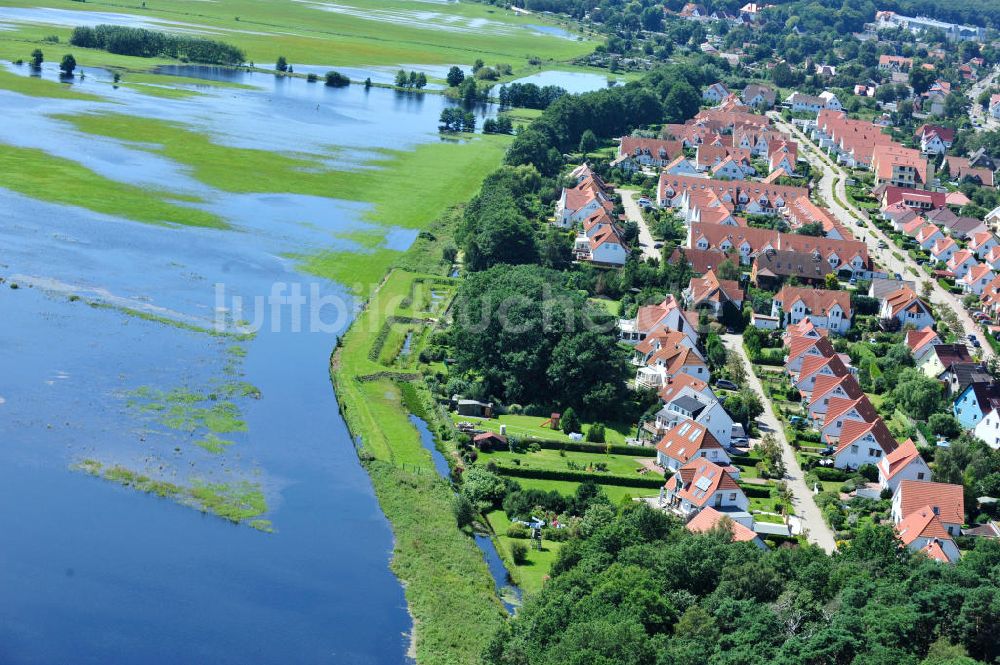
x=337, y=80
x=519, y=552
x=312, y=78
x=869, y=472
x=517, y=530
x=829, y=474
x=595, y=434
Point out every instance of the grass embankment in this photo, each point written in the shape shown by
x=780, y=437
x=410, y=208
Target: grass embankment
x=448, y=587
x=532, y=573
x=38, y=174
x=530, y=427
x=347, y=33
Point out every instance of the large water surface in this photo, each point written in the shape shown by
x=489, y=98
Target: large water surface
x=92, y=572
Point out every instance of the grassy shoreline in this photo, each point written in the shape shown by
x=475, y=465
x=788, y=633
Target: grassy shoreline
x=449, y=590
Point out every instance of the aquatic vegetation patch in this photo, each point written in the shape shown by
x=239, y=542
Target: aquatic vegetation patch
x=187, y=411
x=213, y=443
x=37, y=87
x=43, y=176
x=239, y=502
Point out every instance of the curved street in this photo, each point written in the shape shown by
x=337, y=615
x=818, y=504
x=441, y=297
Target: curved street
x=833, y=190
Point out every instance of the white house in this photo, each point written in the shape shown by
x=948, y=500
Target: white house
x=841, y=411
x=995, y=106
x=863, y=443
x=686, y=442
x=946, y=501
x=828, y=388
x=707, y=412
x=904, y=463
x=976, y=280
x=703, y=484
x=904, y=306
x=728, y=169
x=928, y=235
x=987, y=430
x=944, y=249
x=922, y=531
x=981, y=243
x=921, y=342
x=961, y=262
x=715, y=93
x=830, y=101
x=830, y=310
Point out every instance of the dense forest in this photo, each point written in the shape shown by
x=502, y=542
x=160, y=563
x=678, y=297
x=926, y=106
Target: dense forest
x=150, y=43
x=637, y=589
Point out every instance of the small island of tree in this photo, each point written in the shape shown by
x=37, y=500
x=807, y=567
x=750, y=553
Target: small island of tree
x=68, y=65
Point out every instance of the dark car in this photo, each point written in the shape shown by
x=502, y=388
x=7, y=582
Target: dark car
x=726, y=384
x=827, y=451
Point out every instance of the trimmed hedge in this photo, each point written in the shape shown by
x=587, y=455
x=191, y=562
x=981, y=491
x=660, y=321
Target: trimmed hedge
x=830, y=474
x=598, y=448
x=756, y=491
x=581, y=477
x=744, y=460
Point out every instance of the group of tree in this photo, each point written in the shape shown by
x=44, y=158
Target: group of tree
x=335, y=79
x=484, y=73
x=281, y=65
x=529, y=95
x=412, y=79
x=145, y=43
x=499, y=125
x=455, y=119
x=636, y=588
x=529, y=340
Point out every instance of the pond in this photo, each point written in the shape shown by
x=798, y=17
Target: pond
x=572, y=82
x=92, y=570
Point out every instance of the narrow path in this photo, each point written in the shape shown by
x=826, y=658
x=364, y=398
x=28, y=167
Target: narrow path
x=814, y=527
x=634, y=214
x=834, y=182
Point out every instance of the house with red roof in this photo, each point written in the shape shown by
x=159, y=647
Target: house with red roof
x=660, y=339
x=982, y=242
x=903, y=463
x=636, y=152
x=813, y=368
x=804, y=328
x=915, y=199
x=905, y=307
x=928, y=235
x=802, y=211
x=840, y=411
x=934, y=139
x=894, y=63
x=825, y=308
x=684, y=384
x=689, y=441
x=902, y=167
x=801, y=348
x=709, y=520
x=944, y=249
x=960, y=169
x=709, y=293
x=715, y=93
x=921, y=342
x=668, y=362
x=828, y=388
x=922, y=531
x=947, y=502
x=650, y=319
x=863, y=443
x=584, y=200
x=961, y=262
x=700, y=484
x=976, y=279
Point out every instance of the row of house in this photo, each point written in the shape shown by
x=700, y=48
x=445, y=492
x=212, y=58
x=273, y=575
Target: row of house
x=588, y=206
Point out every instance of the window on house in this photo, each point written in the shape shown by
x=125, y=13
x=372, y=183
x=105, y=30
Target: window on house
x=854, y=449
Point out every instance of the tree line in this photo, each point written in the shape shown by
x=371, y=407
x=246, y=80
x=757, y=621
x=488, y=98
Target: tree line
x=529, y=95
x=150, y=43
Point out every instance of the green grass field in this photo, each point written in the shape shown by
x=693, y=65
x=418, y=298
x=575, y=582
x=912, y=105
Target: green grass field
x=358, y=32
x=531, y=427
x=530, y=575
x=557, y=460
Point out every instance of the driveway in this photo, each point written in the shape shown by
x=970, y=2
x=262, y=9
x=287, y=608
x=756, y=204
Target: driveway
x=834, y=181
x=634, y=214
x=810, y=519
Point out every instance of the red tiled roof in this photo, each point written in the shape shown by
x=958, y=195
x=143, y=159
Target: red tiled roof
x=709, y=519
x=678, y=383
x=825, y=384
x=918, y=339
x=854, y=430
x=921, y=523
x=686, y=440
x=947, y=498
x=818, y=301
x=839, y=406
x=701, y=479
x=899, y=459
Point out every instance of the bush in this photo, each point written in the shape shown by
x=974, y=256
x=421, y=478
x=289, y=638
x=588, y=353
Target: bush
x=647, y=481
x=518, y=530
x=519, y=552
x=463, y=510
x=595, y=434
x=869, y=472
x=337, y=80
x=830, y=475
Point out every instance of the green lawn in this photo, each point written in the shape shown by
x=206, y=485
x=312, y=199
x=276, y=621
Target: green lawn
x=361, y=32
x=616, y=493
x=530, y=575
x=531, y=427
x=613, y=307
x=617, y=465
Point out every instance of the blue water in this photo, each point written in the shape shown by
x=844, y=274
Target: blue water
x=551, y=30
x=91, y=572
x=571, y=82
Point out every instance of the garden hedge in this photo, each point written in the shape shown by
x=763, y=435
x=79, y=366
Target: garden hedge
x=582, y=447
x=581, y=477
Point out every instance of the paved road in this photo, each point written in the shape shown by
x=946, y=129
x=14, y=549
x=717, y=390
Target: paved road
x=833, y=180
x=975, y=110
x=634, y=214
x=814, y=527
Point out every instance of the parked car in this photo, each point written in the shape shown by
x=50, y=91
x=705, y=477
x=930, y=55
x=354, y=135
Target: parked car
x=726, y=384
x=829, y=450
x=797, y=422
x=657, y=245
x=853, y=281
x=898, y=276
x=971, y=337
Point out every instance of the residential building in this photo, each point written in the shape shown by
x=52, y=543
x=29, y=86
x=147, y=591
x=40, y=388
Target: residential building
x=587, y=198
x=635, y=152
x=840, y=411
x=709, y=520
x=961, y=262
x=813, y=368
x=802, y=211
x=863, y=443
x=686, y=442
x=921, y=342
x=944, y=249
x=771, y=268
x=981, y=243
x=827, y=388
x=975, y=402
x=900, y=167
x=826, y=309
x=883, y=286
x=976, y=279
x=715, y=93
x=960, y=170
x=903, y=463
x=709, y=293
x=922, y=531
x=703, y=411
x=894, y=63
x=946, y=501
x=703, y=484
x=905, y=307
x=650, y=319
x=801, y=348
x=668, y=362
x=758, y=96
x=888, y=20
